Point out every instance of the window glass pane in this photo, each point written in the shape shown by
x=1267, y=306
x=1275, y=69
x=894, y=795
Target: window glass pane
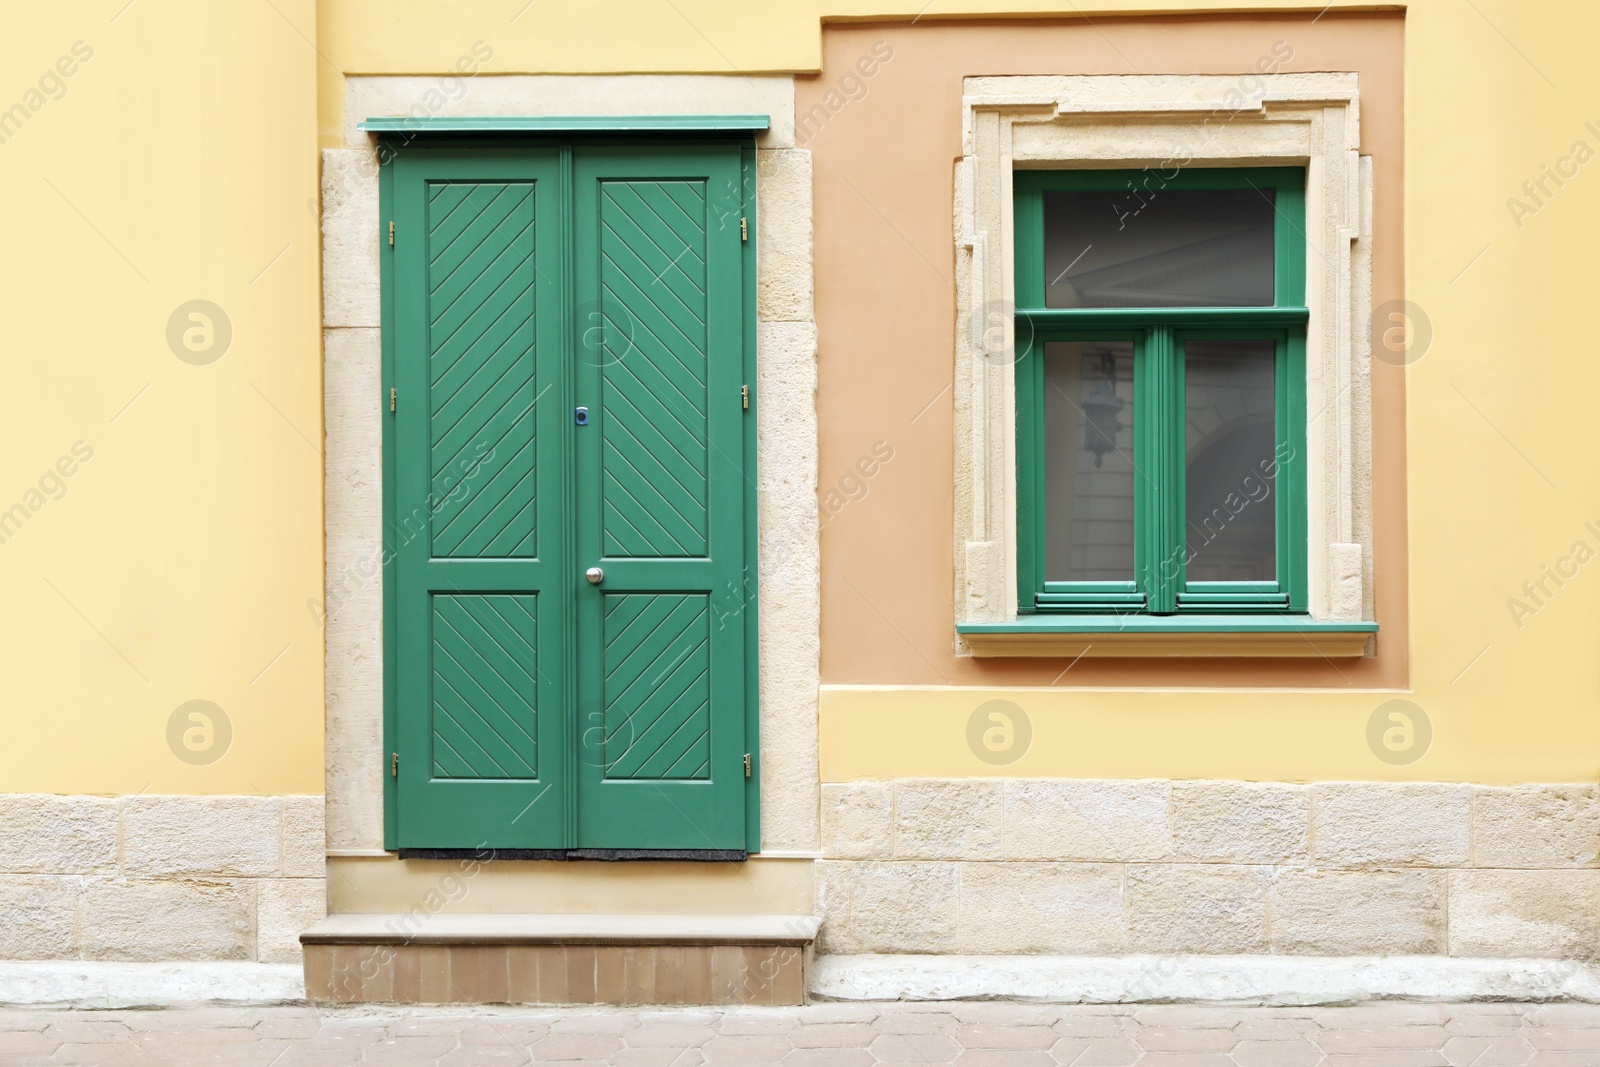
x=1228, y=503
x=1154, y=247
x=1088, y=462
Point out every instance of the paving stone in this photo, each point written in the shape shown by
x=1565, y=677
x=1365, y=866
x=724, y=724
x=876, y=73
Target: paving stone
x=677, y=1017
x=668, y=1034
x=1583, y=1015
x=999, y=1013
x=601, y=1022
x=1004, y=1057
x=210, y=1035
x=1175, y=1039
x=196, y=1018
x=914, y=1048
x=1385, y=1037
x=754, y=1023
x=1506, y=1051
x=1385, y=1013
x=86, y=1027
x=1563, y=1039
x=424, y=1027
x=485, y=1054
x=1003, y=1036
x=656, y=1057
x=1297, y=1052
x=1090, y=1026
x=1106, y=1052
x=828, y=1057
x=752, y=1048
x=576, y=1047
x=1388, y=1058
x=833, y=1035
x=1266, y=1028
x=417, y=1048
x=27, y=1020
x=838, y=1011
x=916, y=1022
x=1471, y=1024
x=506, y=1032
x=1189, y=1016
x=339, y=1033
x=321, y=1057
x=24, y=1042
x=92, y=1052
x=287, y=1026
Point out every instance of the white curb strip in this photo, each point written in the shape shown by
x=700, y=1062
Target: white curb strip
x=1236, y=979
x=144, y=985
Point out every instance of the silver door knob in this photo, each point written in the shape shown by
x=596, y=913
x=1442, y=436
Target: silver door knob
x=594, y=574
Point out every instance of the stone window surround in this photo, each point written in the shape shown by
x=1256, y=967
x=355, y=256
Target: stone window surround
x=785, y=389
x=1157, y=121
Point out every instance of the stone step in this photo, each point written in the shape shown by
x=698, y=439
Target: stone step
x=559, y=959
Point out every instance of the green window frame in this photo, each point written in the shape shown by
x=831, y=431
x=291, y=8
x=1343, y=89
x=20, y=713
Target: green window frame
x=1160, y=585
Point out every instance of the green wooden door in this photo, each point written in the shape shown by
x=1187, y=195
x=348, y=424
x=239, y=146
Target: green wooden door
x=533, y=709
x=483, y=574
x=660, y=499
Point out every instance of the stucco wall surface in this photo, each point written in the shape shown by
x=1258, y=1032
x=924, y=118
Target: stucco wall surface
x=160, y=474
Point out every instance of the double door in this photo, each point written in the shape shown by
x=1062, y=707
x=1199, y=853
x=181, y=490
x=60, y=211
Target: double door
x=567, y=504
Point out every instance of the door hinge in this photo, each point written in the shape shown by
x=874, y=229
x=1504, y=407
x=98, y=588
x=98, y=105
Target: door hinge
x=391, y=235
x=744, y=229
x=394, y=765
x=744, y=395
x=393, y=398
x=747, y=764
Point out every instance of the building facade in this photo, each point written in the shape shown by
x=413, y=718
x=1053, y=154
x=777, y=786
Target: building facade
x=696, y=504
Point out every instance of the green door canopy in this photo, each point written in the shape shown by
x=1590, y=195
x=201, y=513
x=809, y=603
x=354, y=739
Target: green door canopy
x=615, y=124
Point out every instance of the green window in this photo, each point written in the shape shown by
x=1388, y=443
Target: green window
x=1161, y=391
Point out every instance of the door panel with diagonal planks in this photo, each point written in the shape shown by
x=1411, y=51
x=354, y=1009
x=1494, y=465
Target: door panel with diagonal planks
x=656, y=666
x=482, y=574
x=660, y=498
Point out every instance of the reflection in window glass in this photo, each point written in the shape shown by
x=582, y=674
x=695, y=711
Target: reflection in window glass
x=1228, y=497
x=1158, y=247
x=1089, y=461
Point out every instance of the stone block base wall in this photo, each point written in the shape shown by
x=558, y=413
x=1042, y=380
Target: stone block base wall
x=157, y=878
x=1104, y=867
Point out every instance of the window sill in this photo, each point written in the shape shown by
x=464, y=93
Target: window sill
x=1195, y=636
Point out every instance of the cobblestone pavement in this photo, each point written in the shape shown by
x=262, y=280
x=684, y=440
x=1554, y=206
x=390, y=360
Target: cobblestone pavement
x=1379, y=1035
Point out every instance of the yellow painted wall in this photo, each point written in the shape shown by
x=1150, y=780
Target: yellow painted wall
x=180, y=164
x=1500, y=463
x=177, y=163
